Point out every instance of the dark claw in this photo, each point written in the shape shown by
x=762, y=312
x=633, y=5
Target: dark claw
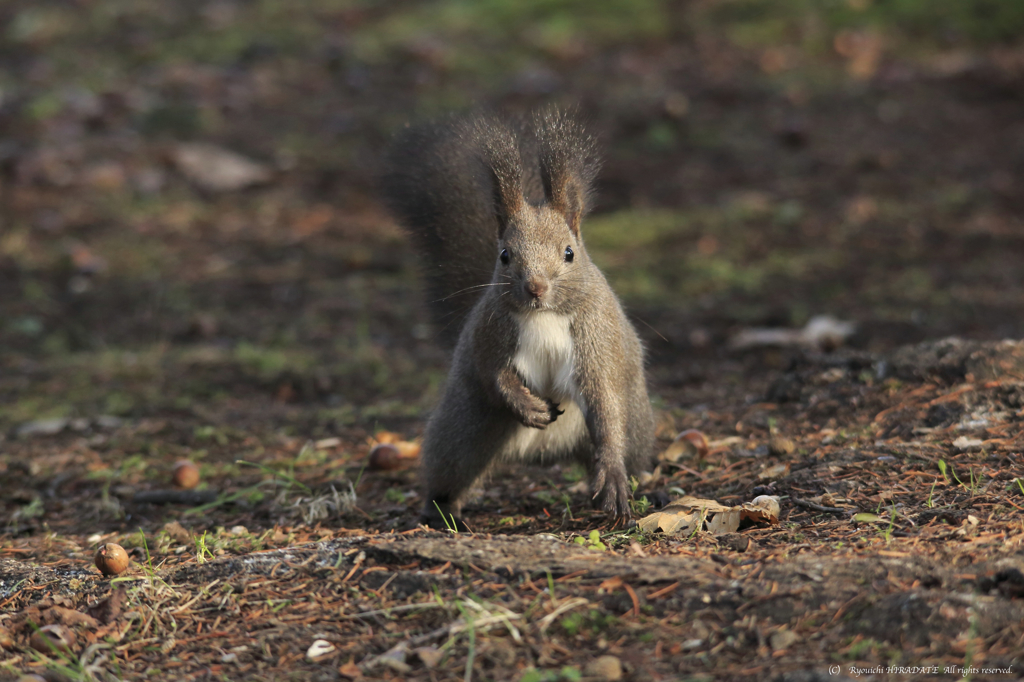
x=554, y=411
x=623, y=522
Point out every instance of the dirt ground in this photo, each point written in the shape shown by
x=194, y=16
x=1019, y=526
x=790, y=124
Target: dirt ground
x=264, y=320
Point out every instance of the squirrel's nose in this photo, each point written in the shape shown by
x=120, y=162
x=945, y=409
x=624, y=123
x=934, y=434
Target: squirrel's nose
x=536, y=287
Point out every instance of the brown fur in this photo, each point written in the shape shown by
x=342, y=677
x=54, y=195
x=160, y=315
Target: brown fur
x=469, y=189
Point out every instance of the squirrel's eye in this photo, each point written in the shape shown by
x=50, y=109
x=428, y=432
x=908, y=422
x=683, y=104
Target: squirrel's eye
x=568, y=254
x=504, y=256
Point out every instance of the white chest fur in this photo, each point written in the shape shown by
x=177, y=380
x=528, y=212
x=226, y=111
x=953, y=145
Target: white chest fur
x=544, y=360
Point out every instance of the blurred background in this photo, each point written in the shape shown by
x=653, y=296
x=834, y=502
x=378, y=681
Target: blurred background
x=189, y=225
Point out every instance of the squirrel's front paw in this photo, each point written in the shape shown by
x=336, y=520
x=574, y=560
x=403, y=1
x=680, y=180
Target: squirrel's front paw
x=537, y=413
x=611, y=491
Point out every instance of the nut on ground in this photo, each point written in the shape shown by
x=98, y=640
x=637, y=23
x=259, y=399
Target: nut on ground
x=186, y=474
x=384, y=457
x=111, y=559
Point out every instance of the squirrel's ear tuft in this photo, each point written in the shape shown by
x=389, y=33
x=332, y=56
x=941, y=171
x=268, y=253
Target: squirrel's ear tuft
x=568, y=164
x=504, y=161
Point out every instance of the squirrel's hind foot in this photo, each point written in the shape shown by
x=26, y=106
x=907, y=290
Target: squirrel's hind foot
x=610, y=488
x=622, y=523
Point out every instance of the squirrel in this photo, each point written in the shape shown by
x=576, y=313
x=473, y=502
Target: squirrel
x=546, y=366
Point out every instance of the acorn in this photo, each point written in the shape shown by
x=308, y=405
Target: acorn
x=186, y=474
x=51, y=639
x=384, y=457
x=111, y=559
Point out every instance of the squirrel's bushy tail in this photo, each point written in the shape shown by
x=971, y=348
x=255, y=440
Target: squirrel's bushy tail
x=447, y=183
x=439, y=189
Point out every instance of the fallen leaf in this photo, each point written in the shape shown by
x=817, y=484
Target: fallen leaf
x=350, y=670
x=773, y=472
x=430, y=655
x=613, y=583
x=58, y=615
x=115, y=631
x=406, y=449
x=689, y=443
x=670, y=520
x=689, y=513
x=108, y=609
x=177, y=532
x=724, y=522
x=780, y=446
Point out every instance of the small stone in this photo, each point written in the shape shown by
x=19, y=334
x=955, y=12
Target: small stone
x=109, y=421
x=42, y=427
x=216, y=169
x=604, y=668
x=79, y=424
